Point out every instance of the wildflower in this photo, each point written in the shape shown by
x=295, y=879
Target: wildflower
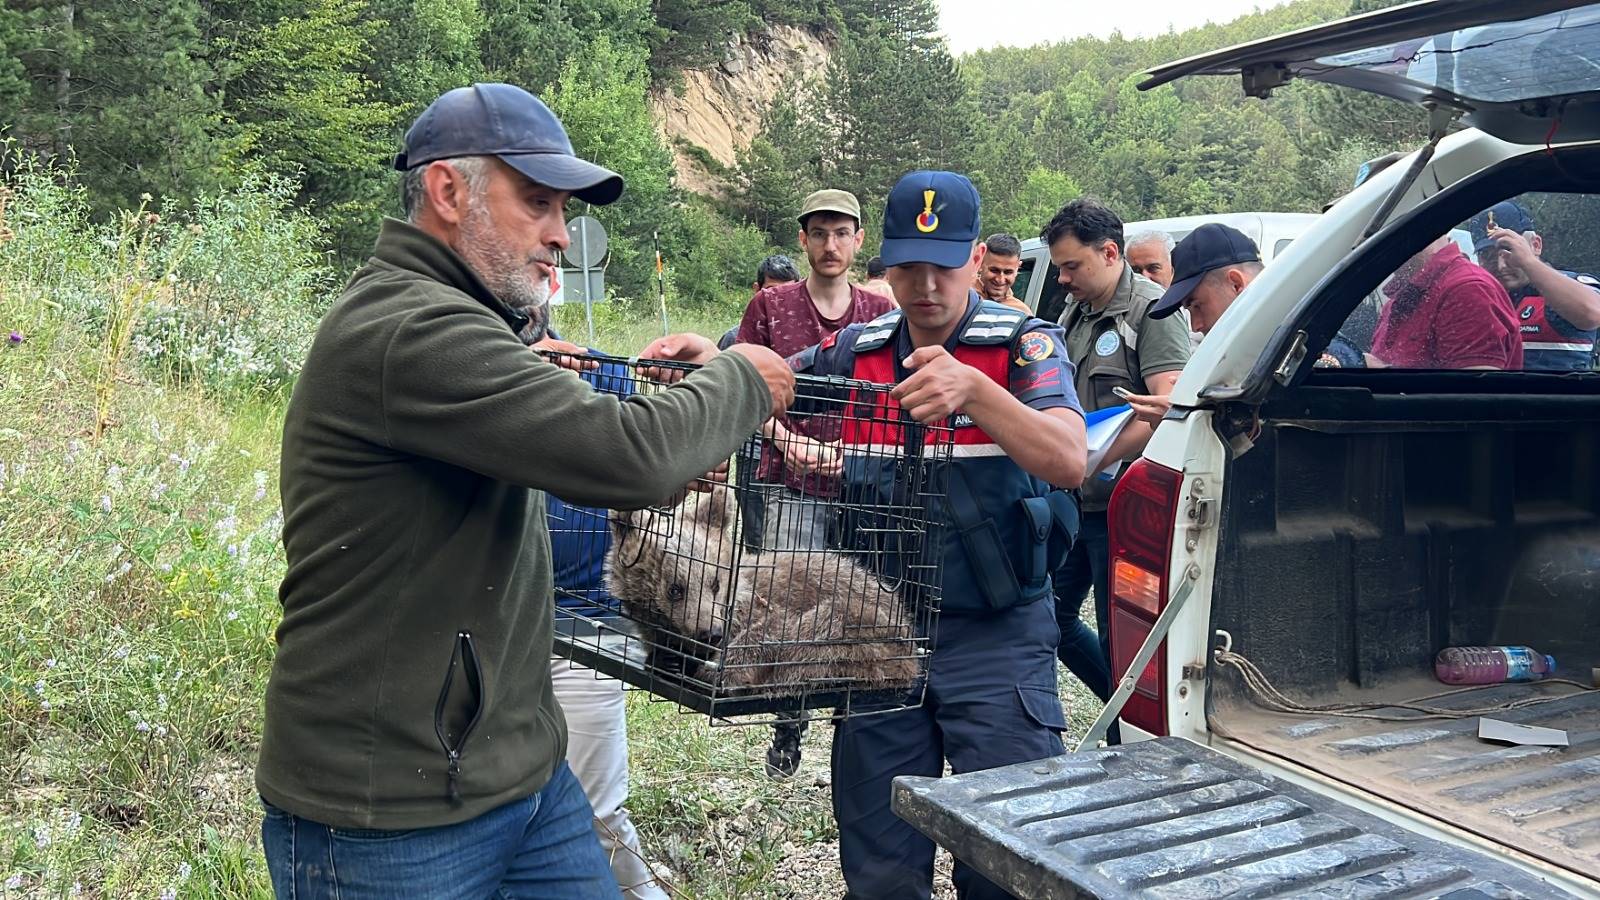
x=14, y=882
x=38, y=687
x=105, y=503
x=122, y=652
x=143, y=727
x=183, y=871
x=233, y=549
x=121, y=571
x=233, y=615
x=227, y=527
x=182, y=463
x=158, y=490
x=169, y=893
x=161, y=731
x=50, y=663
x=77, y=889
x=71, y=821
x=161, y=701
x=261, y=485
x=44, y=705
x=114, y=476
x=2, y=474
x=41, y=836
x=166, y=567
x=16, y=337
x=145, y=197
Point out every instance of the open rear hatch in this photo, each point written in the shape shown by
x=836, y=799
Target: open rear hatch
x=1526, y=72
x=1170, y=819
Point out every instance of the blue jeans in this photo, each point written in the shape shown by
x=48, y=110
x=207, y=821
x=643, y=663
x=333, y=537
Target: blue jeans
x=539, y=847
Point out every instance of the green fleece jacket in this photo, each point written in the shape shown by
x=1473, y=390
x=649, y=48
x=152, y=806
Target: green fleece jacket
x=412, y=682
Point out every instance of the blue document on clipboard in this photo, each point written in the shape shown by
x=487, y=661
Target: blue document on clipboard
x=1103, y=427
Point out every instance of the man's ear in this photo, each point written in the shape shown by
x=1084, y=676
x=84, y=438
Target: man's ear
x=979, y=251
x=1112, y=252
x=861, y=235
x=447, y=192
x=1536, y=242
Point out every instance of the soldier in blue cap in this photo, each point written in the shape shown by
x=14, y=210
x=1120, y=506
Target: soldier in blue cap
x=1558, y=311
x=1019, y=449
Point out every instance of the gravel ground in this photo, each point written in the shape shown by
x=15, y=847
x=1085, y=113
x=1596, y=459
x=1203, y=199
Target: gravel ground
x=707, y=810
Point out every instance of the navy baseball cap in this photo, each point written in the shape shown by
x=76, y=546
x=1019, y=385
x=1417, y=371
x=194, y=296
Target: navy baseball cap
x=1507, y=214
x=1211, y=246
x=506, y=121
x=930, y=217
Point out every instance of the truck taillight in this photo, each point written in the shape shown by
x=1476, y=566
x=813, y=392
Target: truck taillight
x=1142, y=521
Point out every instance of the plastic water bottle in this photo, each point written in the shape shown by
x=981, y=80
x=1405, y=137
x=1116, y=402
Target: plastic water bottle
x=1491, y=665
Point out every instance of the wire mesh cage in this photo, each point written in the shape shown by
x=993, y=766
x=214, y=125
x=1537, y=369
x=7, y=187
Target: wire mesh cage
x=803, y=577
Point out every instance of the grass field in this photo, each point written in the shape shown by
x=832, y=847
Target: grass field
x=139, y=563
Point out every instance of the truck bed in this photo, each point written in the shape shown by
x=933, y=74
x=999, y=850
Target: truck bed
x=1543, y=801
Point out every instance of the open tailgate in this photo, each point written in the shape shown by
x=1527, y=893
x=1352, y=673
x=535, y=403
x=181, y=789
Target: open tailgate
x=1171, y=819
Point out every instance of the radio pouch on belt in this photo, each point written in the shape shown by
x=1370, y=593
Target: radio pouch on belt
x=1015, y=572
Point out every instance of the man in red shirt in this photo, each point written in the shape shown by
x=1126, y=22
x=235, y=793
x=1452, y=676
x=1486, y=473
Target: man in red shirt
x=1444, y=312
x=793, y=317
x=794, y=468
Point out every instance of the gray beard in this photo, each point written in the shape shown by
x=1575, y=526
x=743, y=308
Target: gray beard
x=504, y=274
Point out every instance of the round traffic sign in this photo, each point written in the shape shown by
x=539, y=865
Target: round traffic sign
x=589, y=244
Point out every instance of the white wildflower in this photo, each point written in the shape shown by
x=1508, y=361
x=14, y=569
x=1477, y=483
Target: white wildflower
x=161, y=731
x=261, y=485
x=50, y=663
x=14, y=882
x=158, y=490
x=169, y=894
x=105, y=503
x=122, y=570
x=114, y=477
x=38, y=687
x=143, y=727
x=122, y=652
x=233, y=615
x=41, y=836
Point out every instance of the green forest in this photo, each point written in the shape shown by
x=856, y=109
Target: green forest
x=190, y=100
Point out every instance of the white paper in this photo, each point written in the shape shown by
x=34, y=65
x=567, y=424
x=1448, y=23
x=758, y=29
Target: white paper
x=1101, y=435
x=1525, y=735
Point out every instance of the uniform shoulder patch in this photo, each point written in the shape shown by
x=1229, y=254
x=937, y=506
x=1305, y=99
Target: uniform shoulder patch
x=1034, y=346
x=879, y=331
x=993, y=323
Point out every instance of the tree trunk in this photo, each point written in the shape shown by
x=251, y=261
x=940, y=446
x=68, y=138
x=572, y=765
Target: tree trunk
x=64, y=82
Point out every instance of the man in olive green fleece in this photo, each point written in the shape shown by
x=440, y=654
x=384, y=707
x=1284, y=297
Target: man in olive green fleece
x=412, y=744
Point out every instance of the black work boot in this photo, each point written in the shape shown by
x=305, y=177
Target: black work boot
x=783, y=757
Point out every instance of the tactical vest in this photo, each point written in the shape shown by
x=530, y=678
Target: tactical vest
x=1004, y=530
x=1099, y=372
x=1546, y=347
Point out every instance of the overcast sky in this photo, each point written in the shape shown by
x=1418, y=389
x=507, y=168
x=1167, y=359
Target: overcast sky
x=977, y=24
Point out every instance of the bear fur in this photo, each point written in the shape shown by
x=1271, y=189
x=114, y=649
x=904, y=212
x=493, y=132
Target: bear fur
x=768, y=622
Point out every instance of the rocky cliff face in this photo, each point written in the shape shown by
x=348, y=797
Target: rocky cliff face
x=718, y=109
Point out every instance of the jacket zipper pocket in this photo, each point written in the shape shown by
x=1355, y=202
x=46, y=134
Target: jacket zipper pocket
x=463, y=656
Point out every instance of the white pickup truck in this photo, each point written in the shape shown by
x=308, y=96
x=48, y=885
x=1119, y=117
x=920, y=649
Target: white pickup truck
x=1298, y=542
